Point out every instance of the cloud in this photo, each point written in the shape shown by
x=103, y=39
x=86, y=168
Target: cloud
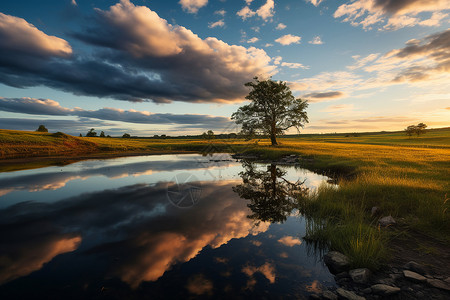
x=146, y=59
x=339, y=108
x=361, y=62
x=245, y=13
x=20, y=38
x=323, y=96
x=290, y=241
x=192, y=6
x=268, y=45
x=74, y=3
x=423, y=62
x=315, y=2
x=280, y=26
x=316, y=41
x=288, y=39
x=253, y=40
x=51, y=107
x=219, y=23
x=221, y=12
x=265, y=12
x=394, y=14
x=294, y=65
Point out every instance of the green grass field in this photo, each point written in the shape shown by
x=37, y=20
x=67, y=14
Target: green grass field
x=407, y=178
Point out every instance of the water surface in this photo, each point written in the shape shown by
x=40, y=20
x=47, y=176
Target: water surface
x=156, y=227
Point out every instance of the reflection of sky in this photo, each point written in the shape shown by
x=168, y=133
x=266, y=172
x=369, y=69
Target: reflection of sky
x=113, y=220
x=52, y=183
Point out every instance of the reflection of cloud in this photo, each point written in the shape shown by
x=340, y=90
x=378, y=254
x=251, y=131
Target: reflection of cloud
x=268, y=270
x=57, y=180
x=290, y=241
x=256, y=243
x=199, y=285
x=31, y=248
x=314, y=287
x=284, y=255
x=148, y=233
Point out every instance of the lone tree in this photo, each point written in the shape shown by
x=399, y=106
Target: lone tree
x=102, y=134
x=416, y=129
x=91, y=132
x=272, y=111
x=42, y=128
x=126, y=135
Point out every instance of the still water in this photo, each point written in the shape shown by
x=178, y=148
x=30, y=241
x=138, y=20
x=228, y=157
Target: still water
x=157, y=227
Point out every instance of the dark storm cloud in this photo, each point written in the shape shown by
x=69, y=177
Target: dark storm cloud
x=400, y=6
x=51, y=107
x=323, y=95
x=80, y=125
x=136, y=56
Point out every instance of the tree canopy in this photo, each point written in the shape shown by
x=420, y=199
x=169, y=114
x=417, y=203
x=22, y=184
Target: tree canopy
x=416, y=129
x=42, y=128
x=273, y=109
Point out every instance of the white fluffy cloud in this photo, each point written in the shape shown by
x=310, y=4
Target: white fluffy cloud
x=288, y=39
x=265, y=12
x=192, y=6
x=316, y=41
x=280, y=26
x=315, y=2
x=219, y=23
x=394, y=14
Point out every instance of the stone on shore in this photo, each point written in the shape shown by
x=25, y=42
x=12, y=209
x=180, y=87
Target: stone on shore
x=413, y=276
x=360, y=275
x=439, y=284
x=348, y=295
x=336, y=262
x=384, y=290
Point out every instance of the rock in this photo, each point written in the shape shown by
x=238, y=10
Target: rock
x=314, y=296
x=439, y=284
x=447, y=280
x=415, y=267
x=348, y=295
x=360, y=275
x=336, y=262
x=413, y=276
x=386, y=221
x=367, y=291
x=329, y=295
x=384, y=290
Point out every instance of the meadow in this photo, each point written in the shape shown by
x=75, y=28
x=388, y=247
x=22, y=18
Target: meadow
x=406, y=177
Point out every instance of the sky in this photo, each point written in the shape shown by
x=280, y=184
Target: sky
x=179, y=67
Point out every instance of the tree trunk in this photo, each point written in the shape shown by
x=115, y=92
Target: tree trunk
x=273, y=139
x=273, y=136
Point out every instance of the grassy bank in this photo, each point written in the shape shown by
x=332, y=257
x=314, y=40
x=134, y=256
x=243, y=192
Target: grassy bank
x=407, y=178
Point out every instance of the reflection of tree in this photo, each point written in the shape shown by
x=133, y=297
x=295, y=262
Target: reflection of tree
x=272, y=197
